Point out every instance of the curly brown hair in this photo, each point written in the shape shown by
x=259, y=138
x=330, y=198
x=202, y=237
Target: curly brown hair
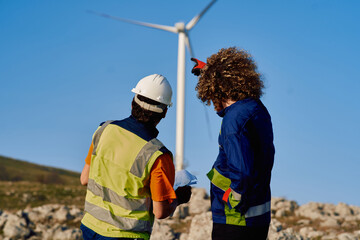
x=230, y=74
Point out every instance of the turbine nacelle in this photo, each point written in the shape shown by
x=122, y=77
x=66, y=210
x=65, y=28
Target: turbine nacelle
x=180, y=26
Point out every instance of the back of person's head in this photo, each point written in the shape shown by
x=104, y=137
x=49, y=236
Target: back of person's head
x=152, y=97
x=230, y=74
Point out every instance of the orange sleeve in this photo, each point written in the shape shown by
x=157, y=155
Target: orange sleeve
x=88, y=157
x=162, y=179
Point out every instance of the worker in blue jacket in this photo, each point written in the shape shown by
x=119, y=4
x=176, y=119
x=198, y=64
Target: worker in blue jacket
x=240, y=177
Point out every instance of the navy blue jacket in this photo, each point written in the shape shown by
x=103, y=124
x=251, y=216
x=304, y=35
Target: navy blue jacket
x=246, y=157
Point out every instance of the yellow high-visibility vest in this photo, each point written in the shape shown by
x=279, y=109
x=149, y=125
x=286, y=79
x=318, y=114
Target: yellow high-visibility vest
x=118, y=203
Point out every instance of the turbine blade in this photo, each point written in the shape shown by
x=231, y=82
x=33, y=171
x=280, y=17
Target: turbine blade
x=151, y=25
x=188, y=45
x=195, y=19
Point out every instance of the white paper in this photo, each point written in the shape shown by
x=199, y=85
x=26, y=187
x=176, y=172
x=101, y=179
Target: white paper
x=184, y=178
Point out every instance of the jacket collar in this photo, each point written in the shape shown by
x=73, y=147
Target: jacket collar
x=223, y=112
x=151, y=130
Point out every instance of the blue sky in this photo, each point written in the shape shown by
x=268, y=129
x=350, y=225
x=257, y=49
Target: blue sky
x=63, y=71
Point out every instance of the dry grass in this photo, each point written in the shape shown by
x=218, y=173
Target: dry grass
x=19, y=195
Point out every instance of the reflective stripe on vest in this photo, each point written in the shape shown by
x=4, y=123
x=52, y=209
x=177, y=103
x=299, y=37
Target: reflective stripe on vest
x=144, y=156
x=224, y=183
x=124, y=223
x=110, y=196
x=97, y=135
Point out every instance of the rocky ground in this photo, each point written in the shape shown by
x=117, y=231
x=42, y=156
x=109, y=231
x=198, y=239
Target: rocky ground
x=192, y=221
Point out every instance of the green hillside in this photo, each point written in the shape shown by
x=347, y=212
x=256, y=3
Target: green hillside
x=16, y=170
x=25, y=184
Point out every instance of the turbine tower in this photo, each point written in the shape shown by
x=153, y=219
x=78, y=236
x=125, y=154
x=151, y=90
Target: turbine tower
x=183, y=32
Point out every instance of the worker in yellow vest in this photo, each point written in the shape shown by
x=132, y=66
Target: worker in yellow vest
x=129, y=173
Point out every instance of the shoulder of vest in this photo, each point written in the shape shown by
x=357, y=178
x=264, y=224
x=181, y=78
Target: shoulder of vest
x=163, y=149
x=108, y=121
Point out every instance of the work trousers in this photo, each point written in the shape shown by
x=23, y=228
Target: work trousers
x=233, y=232
x=89, y=234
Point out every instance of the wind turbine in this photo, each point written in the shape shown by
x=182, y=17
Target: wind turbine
x=183, y=32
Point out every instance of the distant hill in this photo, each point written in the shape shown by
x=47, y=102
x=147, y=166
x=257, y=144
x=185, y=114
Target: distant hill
x=17, y=170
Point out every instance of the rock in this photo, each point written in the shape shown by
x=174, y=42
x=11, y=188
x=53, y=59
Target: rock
x=355, y=209
x=34, y=237
x=63, y=233
x=40, y=228
x=199, y=202
x=311, y=210
x=305, y=231
x=42, y=223
x=357, y=233
x=192, y=221
x=351, y=218
x=43, y=213
x=184, y=236
x=63, y=214
x=16, y=227
x=315, y=234
x=162, y=231
x=287, y=234
x=330, y=222
x=331, y=236
x=280, y=213
x=201, y=227
x=181, y=211
x=275, y=225
x=76, y=212
x=3, y=219
x=349, y=224
x=282, y=203
x=47, y=234
x=347, y=236
x=343, y=210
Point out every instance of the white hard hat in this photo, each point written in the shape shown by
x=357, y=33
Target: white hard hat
x=155, y=87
